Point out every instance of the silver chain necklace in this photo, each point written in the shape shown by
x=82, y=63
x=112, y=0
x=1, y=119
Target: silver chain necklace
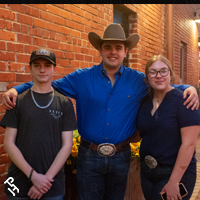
x=42, y=107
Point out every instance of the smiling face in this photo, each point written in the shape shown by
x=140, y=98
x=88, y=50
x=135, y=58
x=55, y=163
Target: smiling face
x=159, y=83
x=42, y=70
x=113, y=54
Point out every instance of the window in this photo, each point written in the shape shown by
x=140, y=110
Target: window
x=121, y=17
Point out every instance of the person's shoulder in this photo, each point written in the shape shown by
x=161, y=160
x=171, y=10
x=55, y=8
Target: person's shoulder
x=86, y=69
x=177, y=93
x=63, y=99
x=23, y=95
x=134, y=72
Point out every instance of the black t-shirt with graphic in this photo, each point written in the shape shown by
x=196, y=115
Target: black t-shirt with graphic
x=39, y=136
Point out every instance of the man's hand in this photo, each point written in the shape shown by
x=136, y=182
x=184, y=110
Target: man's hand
x=6, y=102
x=193, y=99
x=34, y=193
x=41, y=182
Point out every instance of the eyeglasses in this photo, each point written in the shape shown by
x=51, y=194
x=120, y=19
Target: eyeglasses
x=163, y=72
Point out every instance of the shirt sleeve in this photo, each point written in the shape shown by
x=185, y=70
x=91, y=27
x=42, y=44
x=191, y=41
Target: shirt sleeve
x=66, y=85
x=10, y=118
x=187, y=117
x=69, y=119
x=181, y=87
x=23, y=87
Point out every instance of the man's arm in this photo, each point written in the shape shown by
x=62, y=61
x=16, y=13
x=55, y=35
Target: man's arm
x=193, y=99
x=58, y=162
x=42, y=182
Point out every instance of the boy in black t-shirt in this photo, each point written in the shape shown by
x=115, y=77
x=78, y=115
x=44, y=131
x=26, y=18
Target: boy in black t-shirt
x=38, y=135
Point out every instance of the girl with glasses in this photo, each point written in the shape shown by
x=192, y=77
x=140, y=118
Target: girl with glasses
x=169, y=131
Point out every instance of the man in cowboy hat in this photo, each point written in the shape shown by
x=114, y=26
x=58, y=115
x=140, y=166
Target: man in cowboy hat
x=108, y=97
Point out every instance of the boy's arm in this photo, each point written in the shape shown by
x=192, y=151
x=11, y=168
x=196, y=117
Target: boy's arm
x=63, y=154
x=58, y=162
x=41, y=182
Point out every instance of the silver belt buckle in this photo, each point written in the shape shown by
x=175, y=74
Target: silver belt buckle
x=150, y=161
x=106, y=149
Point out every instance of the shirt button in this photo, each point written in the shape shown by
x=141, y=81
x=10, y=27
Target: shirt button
x=128, y=96
x=107, y=124
x=108, y=81
x=108, y=109
x=106, y=138
x=109, y=95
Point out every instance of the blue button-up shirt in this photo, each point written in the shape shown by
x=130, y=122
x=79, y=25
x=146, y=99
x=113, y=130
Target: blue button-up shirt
x=105, y=113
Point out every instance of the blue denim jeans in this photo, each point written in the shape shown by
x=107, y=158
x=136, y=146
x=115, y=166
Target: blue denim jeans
x=102, y=178
x=153, y=181
x=10, y=197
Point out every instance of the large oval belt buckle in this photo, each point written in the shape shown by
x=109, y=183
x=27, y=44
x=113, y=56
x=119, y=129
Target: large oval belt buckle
x=150, y=161
x=106, y=149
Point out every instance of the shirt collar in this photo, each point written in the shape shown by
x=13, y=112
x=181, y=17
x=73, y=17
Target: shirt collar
x=103, y=71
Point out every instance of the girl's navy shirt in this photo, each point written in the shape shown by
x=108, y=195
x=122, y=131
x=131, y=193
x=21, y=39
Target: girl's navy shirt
x=161, y=132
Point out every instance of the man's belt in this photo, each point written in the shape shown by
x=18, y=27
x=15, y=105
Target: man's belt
x=105, y=149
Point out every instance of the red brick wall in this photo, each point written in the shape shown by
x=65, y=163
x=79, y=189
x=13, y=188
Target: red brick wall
x=186, y=30
x=64, y=29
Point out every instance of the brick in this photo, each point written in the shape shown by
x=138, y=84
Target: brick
x=23, y=58
x=24, y=28
x=59, y=20
x=7, y=56
x=74, y=63
x=2, y=45
x=65, y=30
x=2, y=168
x=52, y=35
x=41, y=6
x=2, y=150
x=10, y=85
x=80, y=27
x=7, y=77
x=53, y=44
x=69, y=38
x=7, y=35
x=79, y=57
x=4, y=159
x=32, y=30
x=45, y=33
x=29, y=49
x=9, y=25
x=69, y=70
x=2, y=24
x=64, y=46
x=53, y=9
x=65, y=14
x=2, y=66
x=24, y=38
x=25, y=19
x=3, y=5
x=53, y=27
x=69, y=55
x=39, y=32
x=70, y=8
x=39, y=42
x=16, y=27
x=64, y=38
x=70, y=24
x=6, y=14
x=59, y=54
x=32, y=11
x=58, y=37
x=75, y=33
x=63, y=62
x=59, y=5
x=39, y=23
x=47, y=16
x=17, y=7
x=23, y=77
x=16, y=67
x=88, y=58
x=16, y=47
